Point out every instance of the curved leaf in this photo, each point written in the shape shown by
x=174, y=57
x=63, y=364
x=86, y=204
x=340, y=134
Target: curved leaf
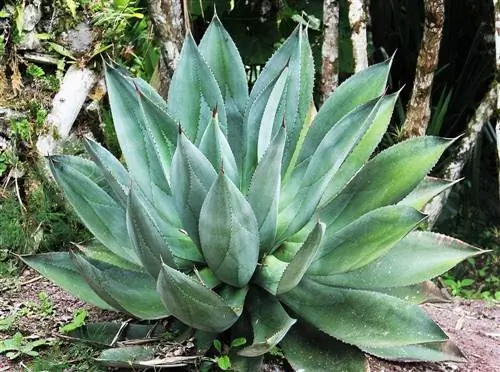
x=426, y=191
x=322, y=166
x=223, y=58
x=229, y=233
x=264, y=191
x=420, y=293
x=115, y=173
x=216, y=148
x=59, y=269
x=361, y=153
x=429, y=352
x=384, y=180
x=270, y=323
x=363, y=241
x=129, y=291
x=101, y=214
x=193, y=303
x=345, y=98
x=135, y=141
x=348, y=315
x=192, y=177
x=147, y=238
x=307, y=349
x=295, y=53
x=194, y=92
x=419, y=256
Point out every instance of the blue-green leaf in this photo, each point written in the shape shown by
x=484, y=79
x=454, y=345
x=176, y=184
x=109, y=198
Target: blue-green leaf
x=223, y=58
x=419, y=256
x=101, y=214
x=426, y=191
x=229, y=233
x=194, y=92
x=193, y=303
x=363, y=241
x=192, y=177
x=264, y=191
x=348, y=315
x=384, y=180
x=129, y=291
x=59, y=269
x=270, y=323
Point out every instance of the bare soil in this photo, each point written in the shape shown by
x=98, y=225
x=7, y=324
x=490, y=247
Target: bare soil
x=473, y=325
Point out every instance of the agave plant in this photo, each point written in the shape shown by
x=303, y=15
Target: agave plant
x=247, y=215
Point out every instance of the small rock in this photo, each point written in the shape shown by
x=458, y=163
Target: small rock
x=79, y=39
x=32, y=15
x=29, y=41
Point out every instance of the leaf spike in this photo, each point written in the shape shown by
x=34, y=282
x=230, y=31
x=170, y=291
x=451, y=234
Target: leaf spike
x=221, y=167
x=216, y=16
x=180, y=128
x=214, y=112
x=283, y=125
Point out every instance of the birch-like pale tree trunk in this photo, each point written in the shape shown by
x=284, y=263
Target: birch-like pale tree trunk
x=168, y=22
x=418, y=111
x=357, y=22
x=330, y=49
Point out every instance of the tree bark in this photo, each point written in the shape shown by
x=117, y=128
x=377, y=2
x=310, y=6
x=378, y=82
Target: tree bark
x=357, y=22
x=168, y=22
x=419, y=109
x=496, y=7
x=330, y=49
x=462, y=152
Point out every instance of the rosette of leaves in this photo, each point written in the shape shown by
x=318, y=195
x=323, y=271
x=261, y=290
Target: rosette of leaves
x=247, y=215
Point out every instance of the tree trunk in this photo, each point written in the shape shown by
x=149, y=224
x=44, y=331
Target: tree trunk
x=168, y=22
x=496, y=7
x=330, y=49
x=453, y=169
x=419, y=109
x=357, y=22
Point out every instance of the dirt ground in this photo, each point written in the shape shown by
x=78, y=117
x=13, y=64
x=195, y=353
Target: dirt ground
x=473, y=325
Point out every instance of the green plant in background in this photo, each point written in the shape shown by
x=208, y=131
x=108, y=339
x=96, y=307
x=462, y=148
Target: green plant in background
x=18, y=345
x=244, y=217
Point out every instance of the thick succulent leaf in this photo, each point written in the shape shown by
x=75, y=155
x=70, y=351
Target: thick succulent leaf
x=97, y=251
x=429, y=352
x=193, y=303
x=229, y=233
x=294, y=53
x=300, y=263
x=272, y=114
x=59, y=269
x=135, y=141
x=113, y=171
x=358, y=89
x=223, y=58
x=148, y=239
x=215, y=147
x=270, y=323
x=192, y=177
x=363, y=241
x=363, y=149
x=101, y=214
x=384, y=180
x=141, y=357
x=279, y=276
x=325, y=162
x=362, y=318
x=105, y=333
x=425, y=191
x=245, y=364
x=419, y=256
x=264, y=191
x=161, y=128
x=194, y=93
x=307, y=349
x=420, y=293
x=129, y=291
